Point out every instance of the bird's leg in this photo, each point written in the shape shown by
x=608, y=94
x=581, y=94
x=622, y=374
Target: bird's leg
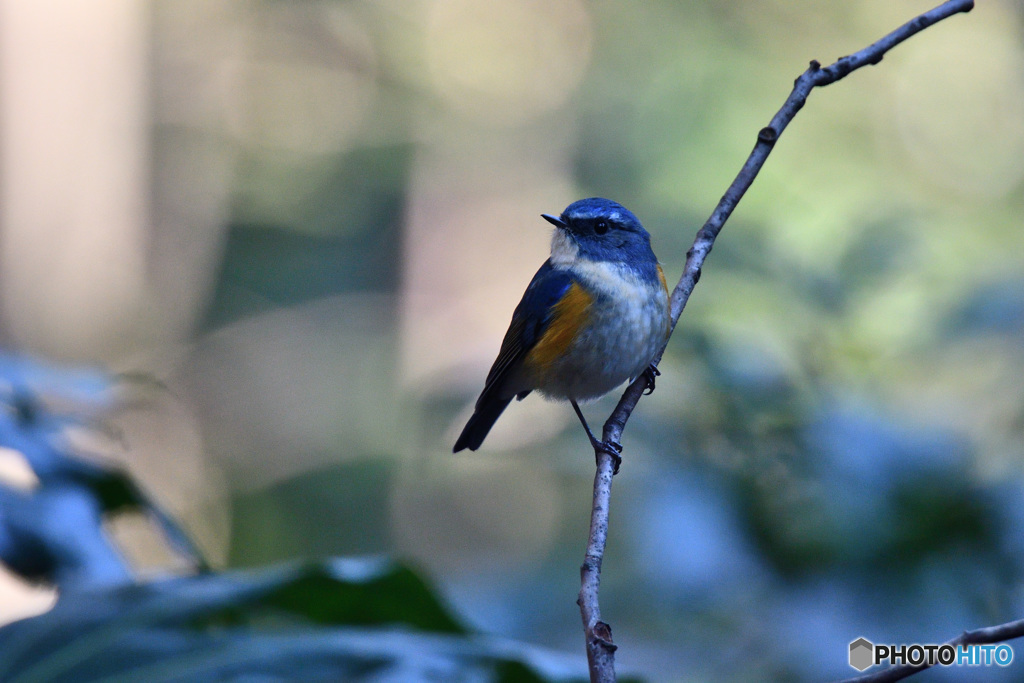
x=650, y=374
x=610, y=447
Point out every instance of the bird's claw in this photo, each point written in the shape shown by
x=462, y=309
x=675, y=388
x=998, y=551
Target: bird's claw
x=611, y=448
x=650, y=374
x=608, y=446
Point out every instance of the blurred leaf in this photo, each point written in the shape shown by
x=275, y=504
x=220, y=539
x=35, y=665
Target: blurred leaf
x=515, y=672
x=72, y=493
x=116, y=492
x=336, y=593
x=943, y=514
x=189, y=629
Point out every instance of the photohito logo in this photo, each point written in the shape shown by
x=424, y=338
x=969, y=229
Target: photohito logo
x=864, y=654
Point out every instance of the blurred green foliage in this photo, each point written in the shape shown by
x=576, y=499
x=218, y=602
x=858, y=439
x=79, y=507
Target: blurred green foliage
x=341, y=620
x=834, y=448
x=810, y=469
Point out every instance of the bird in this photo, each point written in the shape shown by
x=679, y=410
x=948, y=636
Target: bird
x=595, y=315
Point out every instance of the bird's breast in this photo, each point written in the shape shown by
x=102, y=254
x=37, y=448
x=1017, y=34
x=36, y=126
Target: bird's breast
x=611, y=324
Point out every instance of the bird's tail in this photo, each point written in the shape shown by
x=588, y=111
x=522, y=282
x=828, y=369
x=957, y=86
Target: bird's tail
x=480, y=424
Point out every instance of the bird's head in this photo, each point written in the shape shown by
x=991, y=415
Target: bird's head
x=599, y=229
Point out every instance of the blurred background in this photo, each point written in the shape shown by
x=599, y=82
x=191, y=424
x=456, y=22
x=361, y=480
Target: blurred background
x=297, y=230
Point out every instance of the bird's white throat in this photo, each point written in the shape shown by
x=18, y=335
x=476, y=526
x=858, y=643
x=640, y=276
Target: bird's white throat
x=564, y=249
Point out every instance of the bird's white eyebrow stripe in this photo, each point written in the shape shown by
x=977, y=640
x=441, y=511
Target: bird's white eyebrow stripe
x=613, y=216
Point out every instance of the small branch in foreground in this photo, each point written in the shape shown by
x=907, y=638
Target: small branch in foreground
x=600, y=648
x=981, y=636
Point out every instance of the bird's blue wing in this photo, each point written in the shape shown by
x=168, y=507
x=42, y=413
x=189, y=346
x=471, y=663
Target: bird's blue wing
x=529, y=321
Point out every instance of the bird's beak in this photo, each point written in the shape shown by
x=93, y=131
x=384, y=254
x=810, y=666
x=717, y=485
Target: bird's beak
x=554, y=220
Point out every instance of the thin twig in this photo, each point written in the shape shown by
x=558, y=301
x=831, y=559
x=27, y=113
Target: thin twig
x=981, y=636
x=600, y=648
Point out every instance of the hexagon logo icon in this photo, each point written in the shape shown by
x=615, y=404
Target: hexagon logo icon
x=862, y=654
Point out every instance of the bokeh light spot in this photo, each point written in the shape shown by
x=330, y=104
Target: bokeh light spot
x=505, y=63
x=960, y=107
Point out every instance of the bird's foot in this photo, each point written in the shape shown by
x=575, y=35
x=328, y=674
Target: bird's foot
x=611, y=448
x=650, y=374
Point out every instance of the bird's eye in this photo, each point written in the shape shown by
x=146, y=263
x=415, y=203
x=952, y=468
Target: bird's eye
x=601, y=227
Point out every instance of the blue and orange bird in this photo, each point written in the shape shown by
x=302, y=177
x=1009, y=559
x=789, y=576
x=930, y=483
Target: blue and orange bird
x=594, y=316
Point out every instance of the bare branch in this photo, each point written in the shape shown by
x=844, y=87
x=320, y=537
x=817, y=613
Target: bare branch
x=600, y=649
x=981, y=636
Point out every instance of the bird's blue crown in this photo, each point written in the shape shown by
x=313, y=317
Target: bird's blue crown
x=607, y=231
